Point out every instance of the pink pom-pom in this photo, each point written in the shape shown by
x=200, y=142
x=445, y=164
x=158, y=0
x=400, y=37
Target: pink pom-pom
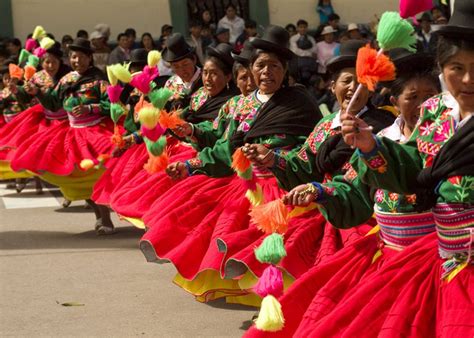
x=153, y=134
x=31, y=44
x=141, y=81
x=413, y=7
x=271, y=283
x=39, y=52
x=114, y=93
x=152, y=72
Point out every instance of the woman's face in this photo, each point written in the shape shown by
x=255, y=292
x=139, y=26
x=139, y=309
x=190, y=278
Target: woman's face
x=80, y=61
x=344, y=87
x=268, y=73
x=459, y=77
x=206, y=16
x=50, y=64
x=147, y=42
x=415, y=92
x=184, y=68
x=329, y=38
x=245, y=81
x=213, y=78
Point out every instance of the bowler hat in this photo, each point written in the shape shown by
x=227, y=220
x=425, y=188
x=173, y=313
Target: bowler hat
x=223, y=52
x=176, y=48
x=245, y=55
x=461, y=23
x=81, y=45
x=276, y=40
x=138, y=57
x=347, y=56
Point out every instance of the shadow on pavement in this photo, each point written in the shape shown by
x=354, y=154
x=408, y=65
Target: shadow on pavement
x=221, y=304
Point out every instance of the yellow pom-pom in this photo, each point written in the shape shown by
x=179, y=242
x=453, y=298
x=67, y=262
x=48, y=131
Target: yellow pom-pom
x=46, y=43
x=39, y=33
x=255, y=196
x=154, y=57
x=121, y=73
x=149, y=116
x=86, y=164
x=270, y=318
x=112, y=78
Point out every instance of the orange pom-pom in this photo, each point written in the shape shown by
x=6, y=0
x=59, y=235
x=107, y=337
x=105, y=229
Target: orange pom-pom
x=103, y=157
x=86, y=164
x=15, y=71
x=117, y=138
x=29, y=72
x=240, y=162
x=170, y=120
x=372, y=68
x=156, y=163
x=141, y=104
x=271, y=217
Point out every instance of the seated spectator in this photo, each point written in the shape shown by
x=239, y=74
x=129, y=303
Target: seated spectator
x=427, y=41
x=353, y=32
x=104, y=29
x=101, y=50
x=291, y=29
x=195, y=40
x=208, y=24
x=65, y=42
x=81, y=33
x=249, y=32
x=303, y=44
x=232, y=22
x=147, y=42
x=166, y=30
x=325, y=49
x=13, y=47
x=132, y=37
x=222, y=36
x=121, y=53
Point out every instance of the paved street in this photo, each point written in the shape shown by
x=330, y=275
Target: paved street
x=50, y=255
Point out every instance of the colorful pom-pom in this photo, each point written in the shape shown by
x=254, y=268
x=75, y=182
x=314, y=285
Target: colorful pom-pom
x=271, y=217
x=117, y=138
x=141, y=81
x=38, y=33
x=39, y=52
x=86, y=164
x=255, y=196
x=270, y=283
x=372, y=67
x=156, y=148
x=240, y=162
x=46, y=43
x=270, y=317
x=24, y=54
x=121, y=72
x=272, y=249
x=33, y=60
x=112, y=78
x=31, y=44
x=159, y=97
x=148, y=116
x=15, y=71
x=157, y=163
x=153, y=134
x=114, y=92
x=170, y=120
x=410, y=8
x=116, y=111
x=153, y=58
x=29, y=72
x=395, y=32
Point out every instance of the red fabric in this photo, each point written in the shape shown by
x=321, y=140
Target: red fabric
x=403, y=298
x=120, y=171
x=61, y=148
x=141, y=190
x=23, y=126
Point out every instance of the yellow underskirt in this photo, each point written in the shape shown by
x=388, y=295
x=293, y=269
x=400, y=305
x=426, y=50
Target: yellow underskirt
x=137, y=222
x=208, y=285
x=6, y=172
x=76, y=186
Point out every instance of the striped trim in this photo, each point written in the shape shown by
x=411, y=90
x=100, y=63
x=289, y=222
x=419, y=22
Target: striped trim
x=9, y=117
x=84, y=121
x=401, y=230
x=55, y=115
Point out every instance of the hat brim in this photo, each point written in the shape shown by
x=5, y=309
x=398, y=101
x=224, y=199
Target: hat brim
x=340, y=62
x=458, y=32
x=240, y=59
x=78, y=48
x=272, y=47
x=211, y=51
x=414, y=62
x=171, y=57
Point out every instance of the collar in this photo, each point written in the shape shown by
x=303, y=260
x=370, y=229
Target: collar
x=394, y=132
x=264, y=98
x=336, y=121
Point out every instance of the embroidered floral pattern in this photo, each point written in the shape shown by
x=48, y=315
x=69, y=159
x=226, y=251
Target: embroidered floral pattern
x=198, y=99
x=195, y=162
x=377, y=162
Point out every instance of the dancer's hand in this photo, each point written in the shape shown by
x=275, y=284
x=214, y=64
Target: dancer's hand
x=300, y=196
x=177, y=171
x=357, y=133
x=259, y=154
x=184, y=130
x=80, y=109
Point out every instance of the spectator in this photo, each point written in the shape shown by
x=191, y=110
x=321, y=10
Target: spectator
x=166, y=30
x=249, y=32
x=325, y=49
x=291, y=29
x=208, y=22
x=104, y=29
x=302, y=44
x=65, y=42
x=81, y=33
x=195, y=40
x=101, y=50
x=426, y=39
x=232, y=22
x=324, y=9
x=353, y=32
x=13, y=47
x=121, y=53
x=147, y=42
x=132, y=36
x=222, y=36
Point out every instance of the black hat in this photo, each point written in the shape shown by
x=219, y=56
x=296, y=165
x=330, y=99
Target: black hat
x=56, y=50
x=275, y=39
x=425, y=17
x=176, y=48
x=347, y=56
x=245, y=55
x=221, y=30
x=165, y=27
x=223, y=52
x=408, y=62
x=138, y=57
x=461, y=24
x=81, y=45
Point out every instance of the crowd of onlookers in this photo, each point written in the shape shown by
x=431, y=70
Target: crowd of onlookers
x=313, y=46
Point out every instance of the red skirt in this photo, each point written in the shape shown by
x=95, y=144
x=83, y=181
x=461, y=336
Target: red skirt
x=120, y=171
x=134, y=198
x=60, y=149
x=404, y=298
x=22, y=127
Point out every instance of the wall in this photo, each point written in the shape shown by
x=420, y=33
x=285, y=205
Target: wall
x=143, y=15
x=283, y=12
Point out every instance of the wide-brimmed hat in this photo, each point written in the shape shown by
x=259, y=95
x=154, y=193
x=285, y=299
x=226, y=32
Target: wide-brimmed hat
x=176, y=48
x=347, y=56
x=138, y=57
x=408, y=62
x=328, y=30
x=461, y=23
x=245, y=55
x=81, y=45
x=276, y=40
x=352, y=27
x=223, y=52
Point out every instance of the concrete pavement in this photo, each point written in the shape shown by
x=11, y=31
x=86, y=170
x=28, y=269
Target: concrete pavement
x=50, y=255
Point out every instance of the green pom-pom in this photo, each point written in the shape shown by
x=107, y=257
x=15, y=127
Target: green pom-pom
x=272, y=249
x=245, y=175
x=116, y=110
x=158, y=98
x=395, y=32
x=33, y=60
x=24, y=55
x=156, y=148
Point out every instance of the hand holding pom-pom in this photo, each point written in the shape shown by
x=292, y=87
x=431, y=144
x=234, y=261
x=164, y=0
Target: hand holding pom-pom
x=177, y=170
